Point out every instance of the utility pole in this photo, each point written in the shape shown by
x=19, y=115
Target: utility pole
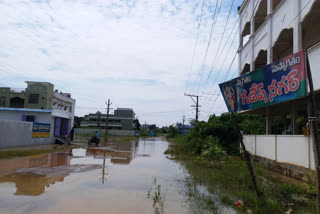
x=183, y=119
x=108, y=109
x=195, y=102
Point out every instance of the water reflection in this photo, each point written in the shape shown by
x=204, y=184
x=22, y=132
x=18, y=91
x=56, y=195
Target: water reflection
x=117, y=157
x=28, y=184
x=33, y=174
x=105, y=175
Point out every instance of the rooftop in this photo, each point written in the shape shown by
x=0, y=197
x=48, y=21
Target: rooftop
x=25, y=109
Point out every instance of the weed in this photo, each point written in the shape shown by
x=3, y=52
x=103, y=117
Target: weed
x=230, y=181
x=158, y=197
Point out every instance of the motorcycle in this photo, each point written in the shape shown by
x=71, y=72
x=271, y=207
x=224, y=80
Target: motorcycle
x=94, y=140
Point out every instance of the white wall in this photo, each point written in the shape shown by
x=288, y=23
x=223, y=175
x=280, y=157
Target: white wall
x=292, y=149
x=40, y=117
x=63, y=101
x=265, y=146
x=314, y=58
x=19, y=133
x=102, y=131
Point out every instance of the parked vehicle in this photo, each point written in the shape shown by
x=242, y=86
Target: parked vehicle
x=94, y=139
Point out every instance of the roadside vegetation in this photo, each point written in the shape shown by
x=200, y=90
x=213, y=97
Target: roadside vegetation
x=210, y=153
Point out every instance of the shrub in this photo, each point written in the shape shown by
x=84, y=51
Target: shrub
x=212, y=149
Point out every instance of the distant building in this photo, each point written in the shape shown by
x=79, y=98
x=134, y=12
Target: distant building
x=184, y=129
x=122, y=119
x=145, y=127
x=48, y=113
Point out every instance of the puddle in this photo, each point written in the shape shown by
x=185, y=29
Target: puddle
x=114, y=179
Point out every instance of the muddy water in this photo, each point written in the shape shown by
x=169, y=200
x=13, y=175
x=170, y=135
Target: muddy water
x=119, y=178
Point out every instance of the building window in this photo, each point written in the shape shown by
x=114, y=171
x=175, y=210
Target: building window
x=2, y=101
x=28, y=118
x=33, y=98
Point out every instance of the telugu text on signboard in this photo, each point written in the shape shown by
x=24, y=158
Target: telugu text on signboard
x=280, y=81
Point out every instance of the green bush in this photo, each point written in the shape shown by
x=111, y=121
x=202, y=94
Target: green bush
x=212, y=149
x=172, y=131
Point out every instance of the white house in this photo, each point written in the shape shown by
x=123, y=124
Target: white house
x=35, y=115
x=271, y=30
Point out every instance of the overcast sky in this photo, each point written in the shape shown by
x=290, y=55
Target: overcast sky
x=138, y=53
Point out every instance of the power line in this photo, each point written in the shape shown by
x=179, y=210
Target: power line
x=227, y=54
x=216, y=78
x=236, y=51
x=224, y=30
x=163, y=112
x=197, y=37
x=214, y=20
x=251, y=47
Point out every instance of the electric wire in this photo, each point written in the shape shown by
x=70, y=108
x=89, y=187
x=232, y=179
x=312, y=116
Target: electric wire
x=214, y=21
x=251, y=47
x=221, y=39
x=196, y=43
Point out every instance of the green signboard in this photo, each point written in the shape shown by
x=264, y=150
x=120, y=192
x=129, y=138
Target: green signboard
x=280, y=81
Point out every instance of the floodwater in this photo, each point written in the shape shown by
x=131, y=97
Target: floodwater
x=120, y=178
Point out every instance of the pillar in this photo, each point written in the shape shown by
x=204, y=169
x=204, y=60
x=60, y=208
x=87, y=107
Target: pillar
x=240, y=47
x=252, y=66
x=269, y=5
x=268, y=121
x=297, y=28
x=294, y=118
x=270, y=24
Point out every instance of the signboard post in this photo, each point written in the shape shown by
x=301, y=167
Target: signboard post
x=41, y=130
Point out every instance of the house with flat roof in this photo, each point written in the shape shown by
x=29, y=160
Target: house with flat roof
x=34, y=115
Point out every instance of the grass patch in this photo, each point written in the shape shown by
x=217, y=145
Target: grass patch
x=231, y=181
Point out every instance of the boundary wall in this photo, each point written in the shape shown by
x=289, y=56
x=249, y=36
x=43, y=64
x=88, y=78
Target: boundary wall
x=19, y=133
x=291, y=155
x=102, y=131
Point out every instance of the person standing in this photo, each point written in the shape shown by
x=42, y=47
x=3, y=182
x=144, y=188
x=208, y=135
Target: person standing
x=72, y=134
x=97, y=137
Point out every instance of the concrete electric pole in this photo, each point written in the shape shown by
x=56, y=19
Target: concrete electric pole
x=107, y=120
x=195, y=102
x=183, y=119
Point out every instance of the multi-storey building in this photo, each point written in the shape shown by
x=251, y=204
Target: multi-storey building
x=271, y=30
x=122, y=119
x=38, y=103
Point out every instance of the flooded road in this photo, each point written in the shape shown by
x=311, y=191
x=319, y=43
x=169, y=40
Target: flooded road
x=120, y=178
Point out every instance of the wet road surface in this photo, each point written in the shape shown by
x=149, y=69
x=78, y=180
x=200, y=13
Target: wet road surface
x=120, y=178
